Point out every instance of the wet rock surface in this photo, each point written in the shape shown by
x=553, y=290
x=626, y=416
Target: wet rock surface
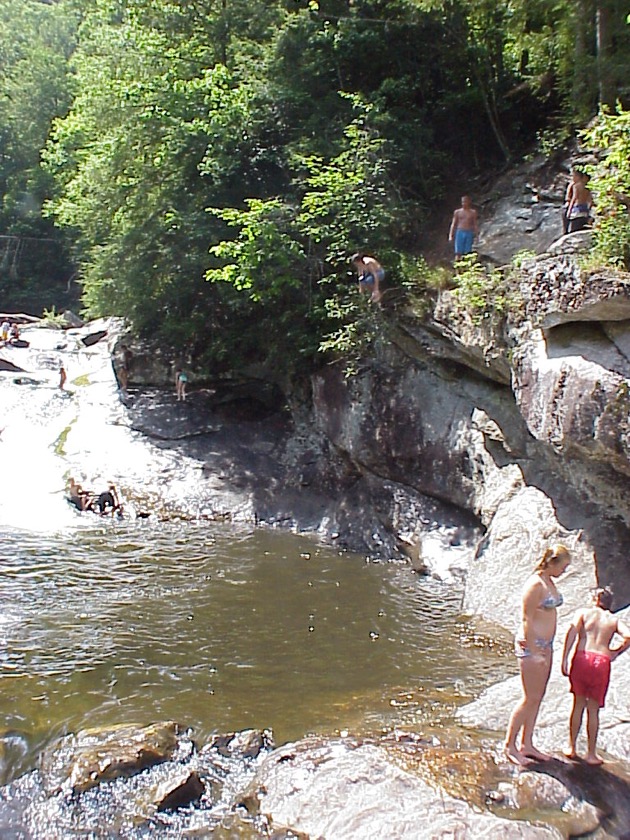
x=401, y=785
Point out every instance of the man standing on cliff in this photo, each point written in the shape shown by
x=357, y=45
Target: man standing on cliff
x=464, y=228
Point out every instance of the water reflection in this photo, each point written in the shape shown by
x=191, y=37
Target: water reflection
x=222, y=630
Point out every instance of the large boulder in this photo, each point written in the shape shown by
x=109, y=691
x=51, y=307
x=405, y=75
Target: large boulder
x=338, y=790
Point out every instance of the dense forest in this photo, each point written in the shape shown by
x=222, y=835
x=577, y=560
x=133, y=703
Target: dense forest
x=205, y=168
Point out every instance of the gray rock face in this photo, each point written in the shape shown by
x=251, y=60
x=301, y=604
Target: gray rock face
x=523, y=212
x=367, y=795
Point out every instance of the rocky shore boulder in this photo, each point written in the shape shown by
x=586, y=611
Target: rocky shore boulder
x=391, y=787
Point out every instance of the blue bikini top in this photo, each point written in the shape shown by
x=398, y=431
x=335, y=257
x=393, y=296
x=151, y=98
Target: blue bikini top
x=551, y=602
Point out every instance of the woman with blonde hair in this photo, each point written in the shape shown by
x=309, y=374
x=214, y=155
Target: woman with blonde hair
x=534, y=649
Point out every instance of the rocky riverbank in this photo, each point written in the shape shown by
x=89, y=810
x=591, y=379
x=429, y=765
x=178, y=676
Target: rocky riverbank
x=463, y=446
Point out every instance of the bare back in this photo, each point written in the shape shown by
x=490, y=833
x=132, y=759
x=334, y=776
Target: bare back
x=596, y=628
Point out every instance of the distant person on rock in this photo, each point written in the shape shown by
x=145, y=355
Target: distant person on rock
x=575, y=178
x=6, y=326
x=124, y=368
x=591, y=631
x=370, y=274
x=63, y=376
x=181, y=380
x=580, y=204
x=533, y=647
x=464, y=228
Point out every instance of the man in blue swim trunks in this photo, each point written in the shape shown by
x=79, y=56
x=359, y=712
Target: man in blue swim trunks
x=464, y=228
x=370, y=273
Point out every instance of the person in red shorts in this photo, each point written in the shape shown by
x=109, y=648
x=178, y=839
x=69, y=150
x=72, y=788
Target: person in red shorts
x=593, y=629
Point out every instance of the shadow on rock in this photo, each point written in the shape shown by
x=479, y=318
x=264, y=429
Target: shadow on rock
x=609, y=793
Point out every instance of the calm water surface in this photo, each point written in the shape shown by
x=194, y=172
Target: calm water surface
x=223, y=630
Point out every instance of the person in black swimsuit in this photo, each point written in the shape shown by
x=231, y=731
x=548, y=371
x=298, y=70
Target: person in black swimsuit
x=107, y=503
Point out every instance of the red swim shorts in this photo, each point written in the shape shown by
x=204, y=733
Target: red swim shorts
x=590, y=675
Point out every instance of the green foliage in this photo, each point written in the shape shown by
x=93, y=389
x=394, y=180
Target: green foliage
x=361, y=327
x=52, y=318
x=480, y=291
x=36, y=42
x=293, y=254
x=257, y=144
x=521, y=257
x=611, y=187
x=419, y=276
x=264, y=258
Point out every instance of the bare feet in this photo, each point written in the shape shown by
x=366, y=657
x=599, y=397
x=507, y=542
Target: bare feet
x=571, y=754
x=515, y=756
x=534, y=755
x=594, y=760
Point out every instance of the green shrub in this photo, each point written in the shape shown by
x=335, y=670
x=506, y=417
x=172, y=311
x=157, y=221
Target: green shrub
x=610, y=183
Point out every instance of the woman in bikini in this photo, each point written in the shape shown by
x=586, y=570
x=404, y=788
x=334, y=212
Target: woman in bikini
x=534, y=649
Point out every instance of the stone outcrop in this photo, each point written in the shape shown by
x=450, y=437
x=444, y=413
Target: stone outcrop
x=393, y=786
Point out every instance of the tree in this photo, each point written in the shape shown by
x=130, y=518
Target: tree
x=610, y=134
x=36, y=42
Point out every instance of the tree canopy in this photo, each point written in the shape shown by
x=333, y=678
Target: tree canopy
x=206, y=168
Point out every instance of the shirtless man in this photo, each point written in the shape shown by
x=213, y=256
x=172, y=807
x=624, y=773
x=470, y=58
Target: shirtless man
x=370, y=273
x=593, y=629
x=464, y=228
x=580, y=203
x=77, y=495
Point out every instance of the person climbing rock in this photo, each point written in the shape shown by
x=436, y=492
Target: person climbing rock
x=370, y=274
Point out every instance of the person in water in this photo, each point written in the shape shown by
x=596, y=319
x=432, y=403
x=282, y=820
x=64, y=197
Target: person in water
x=107, y=502
x=77, y=495
x=534, y=648
x=591, y=632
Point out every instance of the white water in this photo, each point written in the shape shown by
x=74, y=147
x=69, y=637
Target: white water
x=83, y=431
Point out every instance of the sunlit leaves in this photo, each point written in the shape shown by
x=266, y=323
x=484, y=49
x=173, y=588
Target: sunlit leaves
x=611, y=185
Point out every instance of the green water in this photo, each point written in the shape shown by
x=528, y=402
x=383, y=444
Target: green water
x=222, y=630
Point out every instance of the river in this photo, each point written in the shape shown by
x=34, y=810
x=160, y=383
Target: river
x=222, y=629
x=218, y=626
